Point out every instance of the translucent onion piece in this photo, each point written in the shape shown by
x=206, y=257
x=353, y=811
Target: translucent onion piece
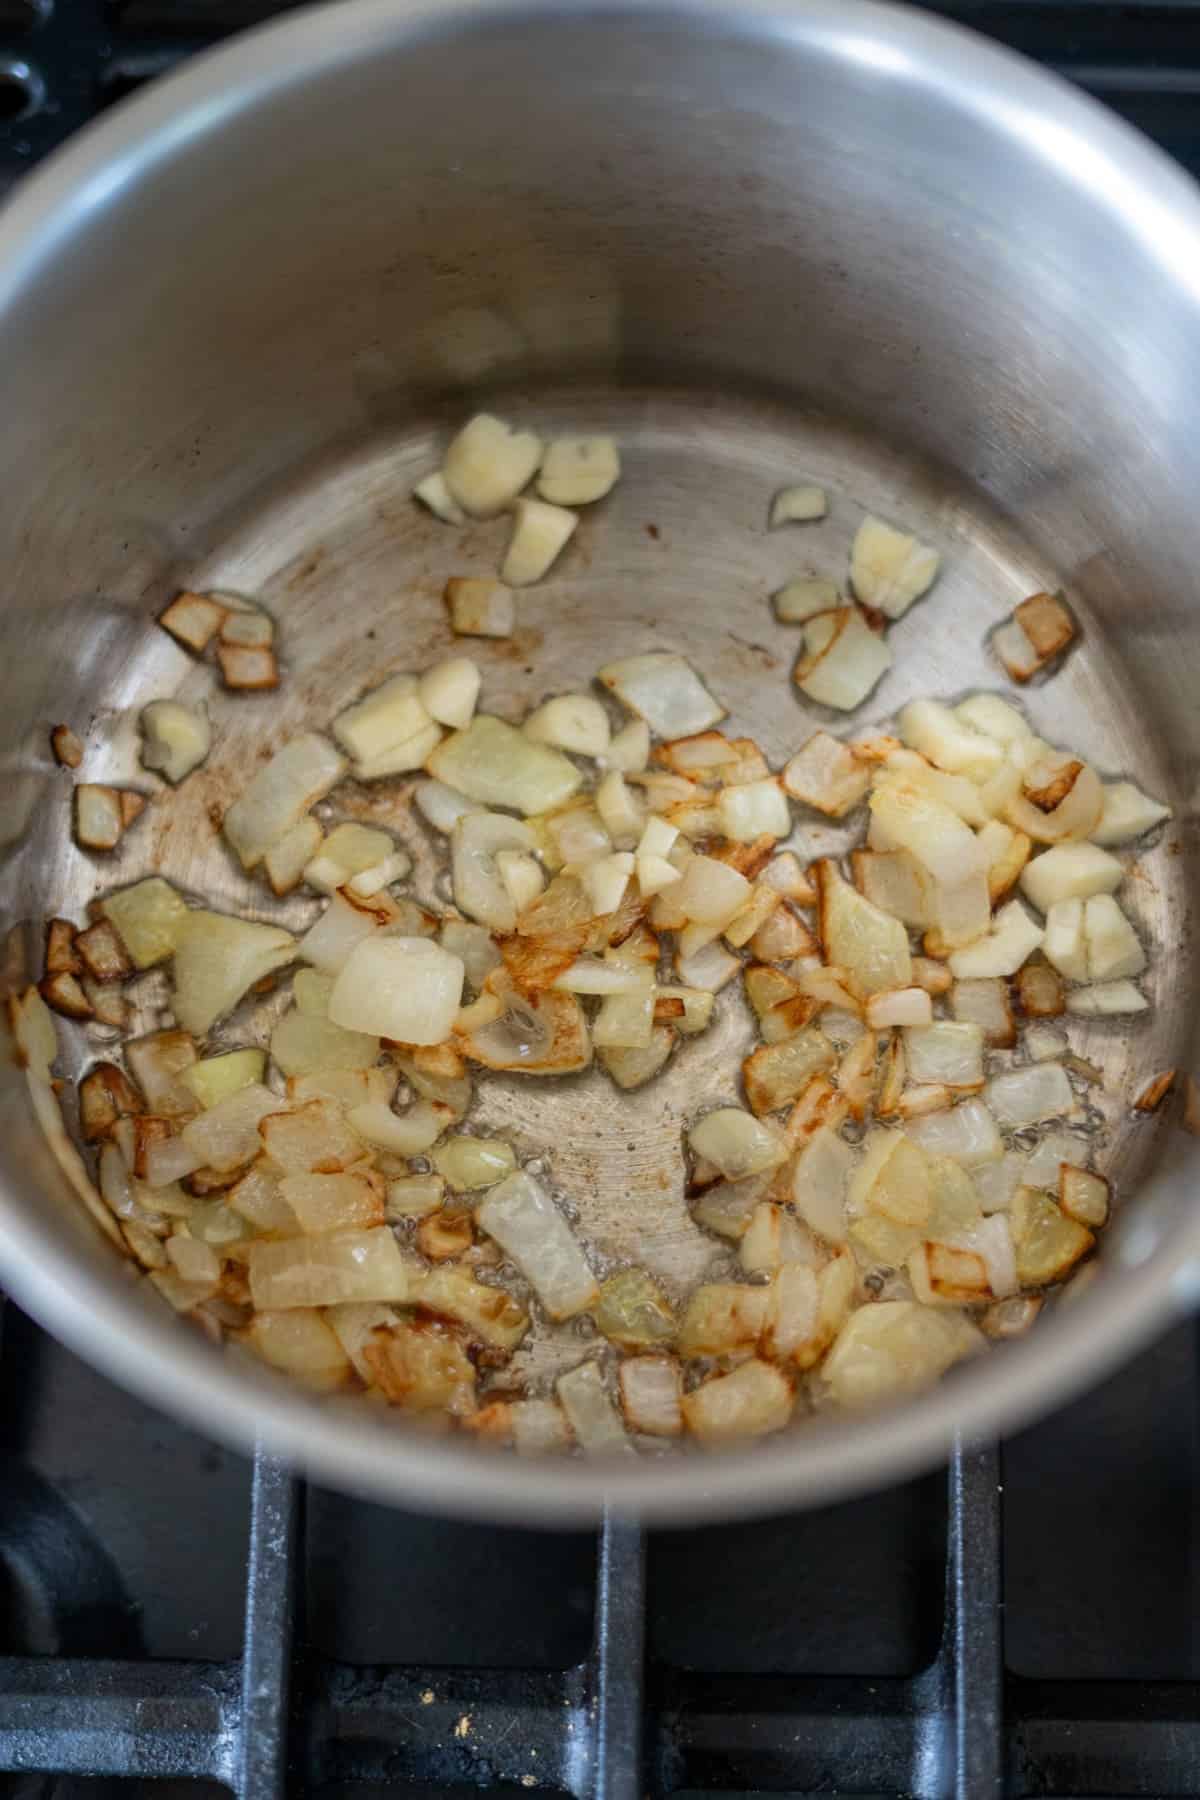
x=948, y=1052
x=751, y=1402
x=217, y=1077
x=280, y=794
x=176, y=738
x=469, y=1163
x=301, y=1344
x=1026, y=1096
x=148, y=918
x=529, y=1228
x=870, y=945
x=329, y=1270
x=1070, y=872
x=593, y=1418
x=407, y=989
x=479, y=888
x=227, y=1135
x=488, y=1314
x=1127, y=814
x=1113, y=947
x=803, y=599
x=651, y=1389
x=498, y=765
x=576, y=471
x=217, y=959
x=842, y=659
x=966, y=1132
x=889, y=568
x=1013, y=938
x=664, y=690
x=1107, y=999
x=894, y=1347
x=344, y=1202
x=737, y=1143
x=827, y=775
x=488, y=463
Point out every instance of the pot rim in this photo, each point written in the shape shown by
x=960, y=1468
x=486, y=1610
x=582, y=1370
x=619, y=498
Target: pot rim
x=1155, y=203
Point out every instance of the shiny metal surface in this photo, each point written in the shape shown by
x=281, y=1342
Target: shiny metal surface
x=237, y=319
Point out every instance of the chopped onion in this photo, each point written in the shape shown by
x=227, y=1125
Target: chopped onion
x=386, y=717
x=994, y=717
x=985, y=1003
x=217, y=959
x=593, y=1418
x=776, y=1073
x=631, y=1066
x=842, y=659
x=493, y=762
x=751, y=1402
x=867, y=943
x=537, y=1034
x=804, y=599
x=348, y=921
x=346, y=1087
x=329, y=1270
x=1064, y=944
x=624, y=815
x=531, y=1231
x=651, y=1389
x=605, y=881
x=967, y=1132
x=442, y=806
x=1048, y=1243
x=227, y=1136
x=1070, y=872
x=311, y=1138
x=1026, y=1096
x=899, y=1006
x=890, y=569
x=287, y=859
x=176, y=738
x=403, y=988
x=894, y=881
x=468, y=1163
x=280, y=794
x=753, y=810
x=479, y=886
x=827, y=775
x=348, y=1201
x=894, y=1347
x=158, y=1064
x=576, y=471
x=1106, y=999
x=1083, y=1196
x=1041, y=628
x=348, y=851
x=217, y=1077
x=540, y=533
x=1014, y=937
x=948, y=740
x=488, y=1314
x=775, y=1238
x=100, y=814
x=1113, y=947
x=302, y=1345
x=819, y=1177
x=913, y=820
x=737, y=1143
x=1127, y=814
x=629, y=748
x=414, y=1196
x=665, y=691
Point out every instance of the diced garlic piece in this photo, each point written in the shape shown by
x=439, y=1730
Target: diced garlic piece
x=521, y=875
x=449, y=690
x=389, y=715
x=798, y=506
x=753, y=810
x=575, y=722
x=1070, y=872
x=842, y=659
x=1106, y=999
x=994, y=717
x=176, y=738
x=890, y=569
x=803, y=599
x=540, y=533
x=348, y=851
x=1127, y=814
x=531, y=1231
x=1013, y=938
x=432, y=492
x=665, y=691
x=488, y=463
x=629, y=748
x=442, y=806
x=900, y=1006
x=576, y=471
x=480, y=607
x=947, y=741
x=193, y=620
x=1113, y=947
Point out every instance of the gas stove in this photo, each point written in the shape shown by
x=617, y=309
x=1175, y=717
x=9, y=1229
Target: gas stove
x=178, y=1621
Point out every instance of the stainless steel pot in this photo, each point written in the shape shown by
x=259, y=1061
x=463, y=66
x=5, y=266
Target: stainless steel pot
x=758, y=240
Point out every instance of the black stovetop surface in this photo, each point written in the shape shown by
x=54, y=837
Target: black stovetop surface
x=1030, y=1627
